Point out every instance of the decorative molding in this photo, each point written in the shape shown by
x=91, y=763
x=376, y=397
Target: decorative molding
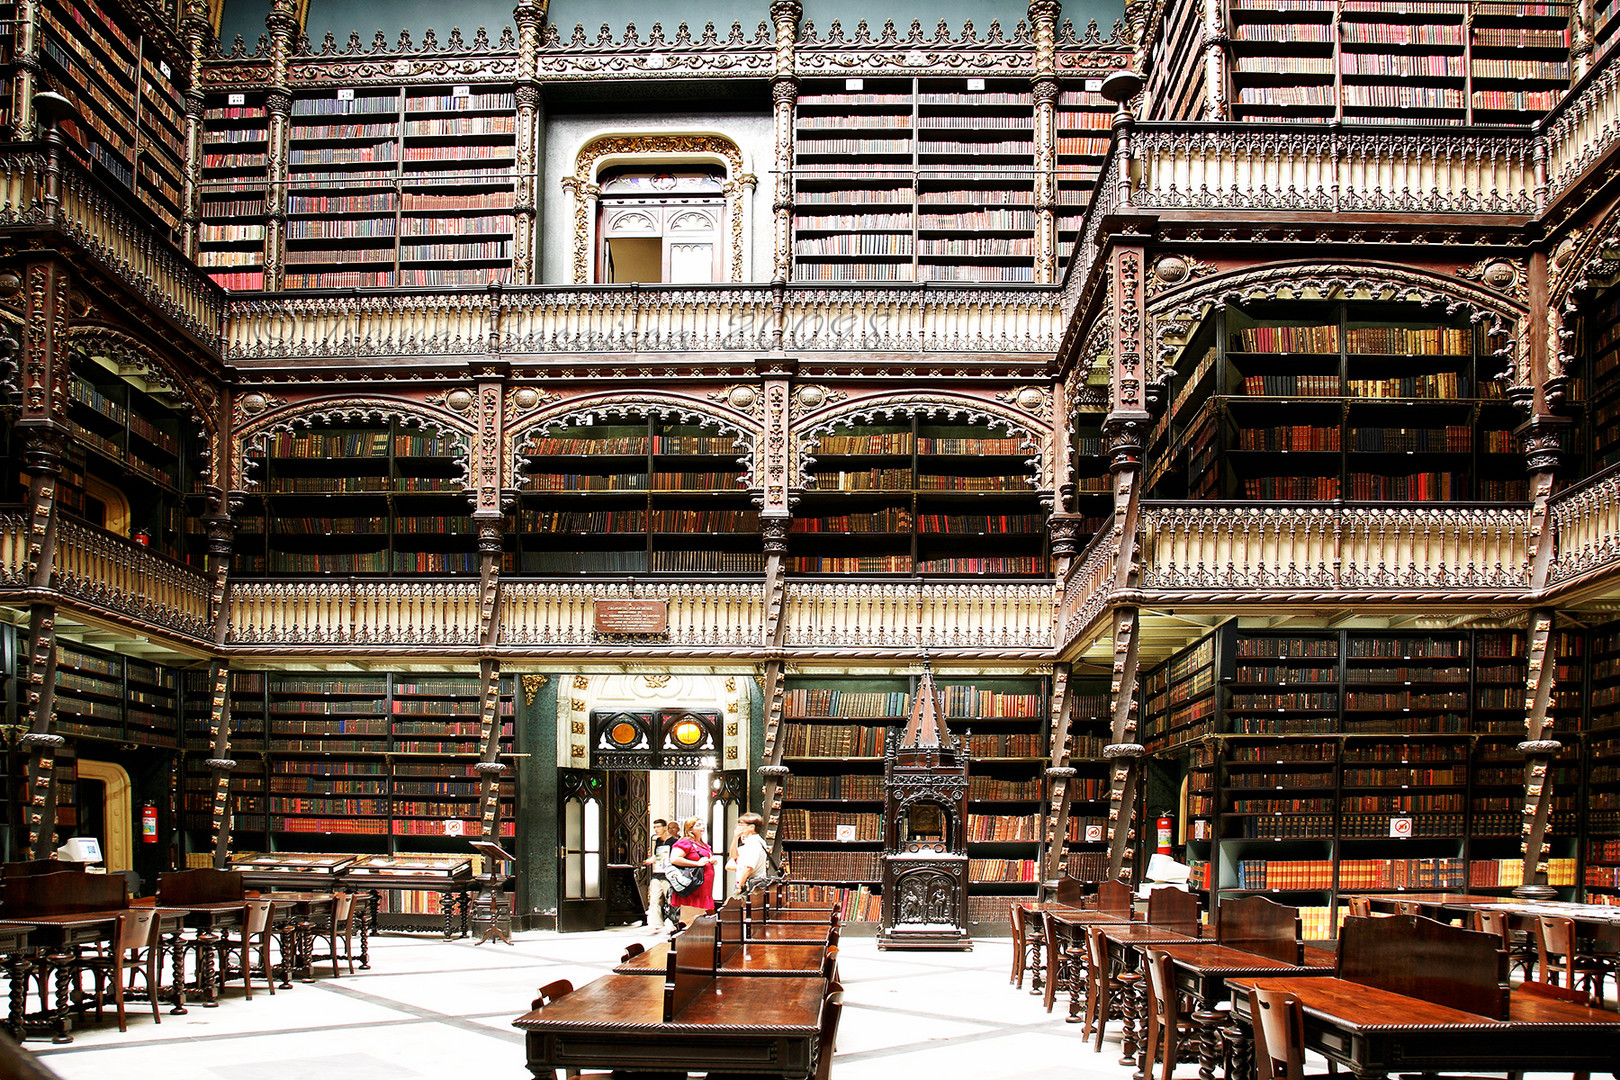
x=274, y=414
x=532, y=685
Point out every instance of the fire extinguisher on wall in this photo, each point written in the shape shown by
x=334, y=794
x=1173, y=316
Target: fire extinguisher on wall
x=1167, y=829
x=149, y=824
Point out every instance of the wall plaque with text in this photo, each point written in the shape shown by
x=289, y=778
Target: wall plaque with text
x=631, y=616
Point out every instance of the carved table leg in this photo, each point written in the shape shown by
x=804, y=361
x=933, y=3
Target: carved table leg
x=1240, y=1053
x=368, y=923
x=448, y=900
x=1209, y=1041
x=466, y=914
x=205, y=969
x=19, y=970
x=289, y=951
x=306, y=951
x=1144, y=1012
x=1076, y=992
x=1037, y=969
x=1128, y=1017
x=59, y=1015
x=177, y=947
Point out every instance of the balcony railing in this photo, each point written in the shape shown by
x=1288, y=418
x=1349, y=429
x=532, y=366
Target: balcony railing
x=1586, y=522
x=702, y=616
x=969, y=617
x=354, y=613
x=645, y=320
x=1584, y=126
x=1087, y=589
x=113, y=234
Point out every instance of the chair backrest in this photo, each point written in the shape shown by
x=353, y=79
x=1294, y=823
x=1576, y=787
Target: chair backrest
x=631, y=951
x=1407, y=907
x=1161, y=985
x=1531, y=988
x=1016, y=921
x=1557, y=938
x=342, y=908
x=829, y=963
x=1114, y=897
x=1097, y=952
x=551, y=992
x=136, y=929
x=256, y=917
x=1279, y=1035
x=1173, y=909
x=832, y=1007
x=1049, y=929
x=1492, y=922
x=1361, y=906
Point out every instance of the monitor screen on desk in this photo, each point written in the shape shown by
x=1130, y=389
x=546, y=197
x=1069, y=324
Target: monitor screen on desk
x=85, y=849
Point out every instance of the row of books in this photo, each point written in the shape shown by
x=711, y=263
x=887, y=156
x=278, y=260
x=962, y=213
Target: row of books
x=982, y=828
x=816, y=702
x=864, y=787
x=826, y=824
x=1353, y=874
x=1028, y=744
x=822, y=740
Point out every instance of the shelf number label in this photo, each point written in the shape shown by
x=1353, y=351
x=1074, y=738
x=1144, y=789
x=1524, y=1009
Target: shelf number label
x=163, y=69
x=236, y=99
x=975, y=84
x=346, y=93
x=854, y=84
x=1094, y=85
x=461, y=91
x=1400, y=828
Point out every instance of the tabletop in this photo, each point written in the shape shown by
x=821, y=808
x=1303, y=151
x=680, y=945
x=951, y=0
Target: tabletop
x=1135, y=933
x=1357, y=1007
x=766, y=959
x=1212, y=958
x=631, y=1003
x=812, y=933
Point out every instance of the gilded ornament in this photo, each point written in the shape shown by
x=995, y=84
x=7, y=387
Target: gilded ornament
x=810, y=397
x=254, y=404
x=459, y=400
x=742, y=398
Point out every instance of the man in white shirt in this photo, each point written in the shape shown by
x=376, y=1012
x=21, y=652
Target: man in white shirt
x=658, y=889
x=752, y=858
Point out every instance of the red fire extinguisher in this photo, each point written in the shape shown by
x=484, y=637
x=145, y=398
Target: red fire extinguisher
x=1166, y=833
x=149, y=828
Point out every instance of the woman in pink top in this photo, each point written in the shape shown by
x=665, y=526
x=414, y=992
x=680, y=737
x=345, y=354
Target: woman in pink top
x=690, y=850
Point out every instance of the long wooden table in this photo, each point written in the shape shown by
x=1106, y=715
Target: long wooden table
x=1374, y=1032
x=773, y=959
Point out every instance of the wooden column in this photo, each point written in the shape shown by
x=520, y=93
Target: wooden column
x=771, y=463
x=488, y=472
x=26, y=68
x=1215, y=39
x=282, y=23
x=525, y=207
x=198, y=34
x=1043, y=16
x=784, y=94
x=221, y=533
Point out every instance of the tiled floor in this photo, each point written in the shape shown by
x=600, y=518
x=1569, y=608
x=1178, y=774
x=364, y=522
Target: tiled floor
x=444, y=1009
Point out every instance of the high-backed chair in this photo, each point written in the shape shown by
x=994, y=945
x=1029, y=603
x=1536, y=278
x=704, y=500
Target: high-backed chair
x=1279, y=1035
x=1522, y=949
x=1559, y=954
x=340, y=928
x=1031, y=932
x=1165, y=1025
x=1361, y=907
x=257, y=936
x=1101, y=987
x=1019, y=955
x=137, y=947
x=1065, y=962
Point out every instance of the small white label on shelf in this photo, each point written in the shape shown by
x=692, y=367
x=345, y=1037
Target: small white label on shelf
x=854, y=84
x=163, y=68
x=236, y=99
x=461, y=91
x=454, y=826
x=1094, y=834
x=846, y=834
x=1094, y=85
x=975, y=84
x=346, y=93
x=1400, y=828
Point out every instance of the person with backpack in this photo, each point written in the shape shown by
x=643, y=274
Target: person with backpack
x=660, y=909
x=691, y=855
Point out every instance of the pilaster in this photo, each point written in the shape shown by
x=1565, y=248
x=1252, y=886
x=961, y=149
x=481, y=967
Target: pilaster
x=282, y=22
x=784, y=95
x=197, y=33
x=1043, y=16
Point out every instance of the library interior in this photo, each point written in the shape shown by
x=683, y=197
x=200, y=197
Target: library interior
x=1120, y=499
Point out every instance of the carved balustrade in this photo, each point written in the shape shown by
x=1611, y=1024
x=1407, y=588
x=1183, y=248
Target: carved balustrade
x=126, y=246
x=703, y=616
x=355, y=613
x=1586, y=521
x=1282, y=167
x=1085, y=593
x=124, y=578
x=1584, y=126
x=1254, y=553
x=968, y=617
x=642, y=320
x=13, y=547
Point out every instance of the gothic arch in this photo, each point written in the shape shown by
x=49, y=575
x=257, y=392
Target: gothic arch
x=132, y=355
x=617, y=404
x=658, y=149
x=260, y=415
x=1174, y=315
x=1583, y=264
x=1035, y=430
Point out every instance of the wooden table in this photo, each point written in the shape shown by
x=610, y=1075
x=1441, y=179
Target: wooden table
x=18, y=963
x=745, y=1025
x=1374, y=1032
x=1201, y=969
x=775, y=959
x=1124, y=942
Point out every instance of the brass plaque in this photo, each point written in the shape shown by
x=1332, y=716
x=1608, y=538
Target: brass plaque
x=631, y=616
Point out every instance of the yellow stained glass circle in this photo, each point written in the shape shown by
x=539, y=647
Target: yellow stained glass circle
x=623, y=733
x=688, y=733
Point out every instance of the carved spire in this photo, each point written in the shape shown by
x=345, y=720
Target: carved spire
x=926, y=734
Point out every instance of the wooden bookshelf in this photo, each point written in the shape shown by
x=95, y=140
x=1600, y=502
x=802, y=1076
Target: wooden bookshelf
x=130, y=128
x=116, y=699
x=409, y=187
x=1316, y=402
x=635, y=497
x=380, y=498
x=915, y=180
x=916, y=497
x=1365, y=61
x=235, y=148
x=1084, y=130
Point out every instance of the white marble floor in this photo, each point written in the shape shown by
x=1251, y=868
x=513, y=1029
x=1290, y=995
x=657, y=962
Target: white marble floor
x=429, y=1008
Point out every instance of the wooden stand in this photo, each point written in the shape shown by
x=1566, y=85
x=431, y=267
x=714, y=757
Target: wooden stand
x=492, y=910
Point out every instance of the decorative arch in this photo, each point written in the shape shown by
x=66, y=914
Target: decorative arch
x=1174, y=315
x=134, y=356
x=1034, y=430
x=582, y=410
x=259, y=416
x=1583, y=264
x=605, y=150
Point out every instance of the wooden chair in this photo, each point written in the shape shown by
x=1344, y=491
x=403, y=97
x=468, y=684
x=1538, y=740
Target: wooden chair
x=1019, y=957
x=257, y=934
x=632, y=951
x=1064, y=962
x=1100, y=986
x=1522, y=950
x=1558, y=952
x=340, y=928
x=1165, y=1025
x=137, y=947
x=1361, y=906
x=1279, y=1035
x=551, y=992
x=1031, y=932
x=832, y=1007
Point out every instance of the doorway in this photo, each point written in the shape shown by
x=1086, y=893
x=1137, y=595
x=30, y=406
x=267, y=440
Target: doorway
x=661, y=226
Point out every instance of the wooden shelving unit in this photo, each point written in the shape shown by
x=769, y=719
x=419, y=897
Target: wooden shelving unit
x=235, y=170
x=1314, y=402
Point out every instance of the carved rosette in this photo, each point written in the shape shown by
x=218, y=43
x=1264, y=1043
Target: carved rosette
x=774, y=528
x=1065, y=530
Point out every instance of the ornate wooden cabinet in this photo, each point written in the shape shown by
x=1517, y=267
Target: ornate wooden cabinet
x=925, y=864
